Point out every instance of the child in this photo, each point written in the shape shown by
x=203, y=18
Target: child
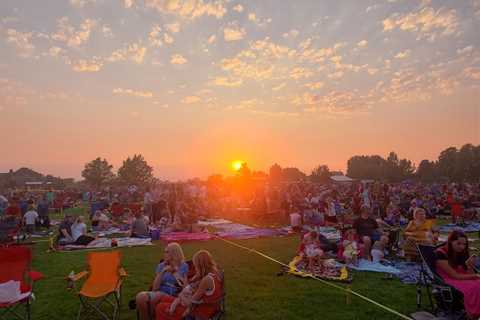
x=312, y=249
x=350, y=247
x=30, y=218
x=378, y=249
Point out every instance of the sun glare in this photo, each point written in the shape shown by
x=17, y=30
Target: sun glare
x=236, y=165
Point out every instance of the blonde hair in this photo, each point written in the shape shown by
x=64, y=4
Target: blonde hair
x=176, y=252
x=417, y=211
x=204, y=263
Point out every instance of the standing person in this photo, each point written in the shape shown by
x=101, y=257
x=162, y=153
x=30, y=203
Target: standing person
x=457, y=268
x=43, y=210
x=148, y=204
x=30, y=218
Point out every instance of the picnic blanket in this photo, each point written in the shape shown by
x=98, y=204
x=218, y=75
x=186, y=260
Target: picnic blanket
x=409, y=271
x=365, y=265
x=213, y=222
x=469, y=227
x=331, y=270
x=110, y=231
x=107, y=243
x=185, y=236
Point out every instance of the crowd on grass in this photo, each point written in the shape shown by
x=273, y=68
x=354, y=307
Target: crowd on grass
x=375, y=220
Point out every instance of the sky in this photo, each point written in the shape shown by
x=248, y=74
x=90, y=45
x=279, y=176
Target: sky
x=195, y=84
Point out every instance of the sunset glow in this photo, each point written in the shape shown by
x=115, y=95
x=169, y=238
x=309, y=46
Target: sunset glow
x=236, y=165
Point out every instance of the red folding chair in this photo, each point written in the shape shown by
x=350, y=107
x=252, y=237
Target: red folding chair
x=15, y=265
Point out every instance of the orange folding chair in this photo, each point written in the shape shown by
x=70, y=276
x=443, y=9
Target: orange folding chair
x=101, y=292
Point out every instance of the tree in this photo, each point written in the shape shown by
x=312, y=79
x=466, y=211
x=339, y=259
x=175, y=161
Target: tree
x=275, y=174
x=292, y=175
x=136, y=171
x=447, y=162
x=98, y=173
x=427, y=171
x=320, y=174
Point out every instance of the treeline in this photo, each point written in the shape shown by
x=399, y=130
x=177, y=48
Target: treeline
x=458, y=165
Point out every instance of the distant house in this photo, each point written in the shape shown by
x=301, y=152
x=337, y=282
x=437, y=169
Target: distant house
x=341, y=179
x=28, y=178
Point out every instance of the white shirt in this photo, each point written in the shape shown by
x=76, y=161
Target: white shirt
x=78, y=229
x=295, y=219
x=147, y=198
x=30, y=217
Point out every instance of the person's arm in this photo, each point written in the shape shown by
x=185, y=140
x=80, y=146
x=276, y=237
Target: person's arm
x=443, y=264
x=205, y=284
x=409, y=229
x=157, y=281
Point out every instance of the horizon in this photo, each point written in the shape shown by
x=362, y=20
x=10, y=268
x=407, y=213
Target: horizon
x=195, y=85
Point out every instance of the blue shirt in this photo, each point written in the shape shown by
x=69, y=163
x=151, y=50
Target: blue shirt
x=169, y=284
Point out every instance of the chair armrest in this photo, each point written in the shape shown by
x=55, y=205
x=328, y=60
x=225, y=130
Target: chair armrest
x=122, y=273
x=35, y=275
x=77, y=276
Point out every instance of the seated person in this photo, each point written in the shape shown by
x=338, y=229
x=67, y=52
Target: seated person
x=117, y=211
x=350, y=247
x=100, y=221
x=312, y=249
x=419, y=230
x=457, y=268
x=378, y=249
x=79, y=232
x=368, y=230
x=139, y=228
x=296, y=221
x=65, y=230
x=171, y=275
x=206, y=287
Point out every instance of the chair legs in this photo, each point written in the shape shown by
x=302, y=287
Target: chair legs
x=89, y=306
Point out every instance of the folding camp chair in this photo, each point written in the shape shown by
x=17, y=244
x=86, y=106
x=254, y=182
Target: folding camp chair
x=448, y=300
x=219, y=304
x=15, y=266
x=102, y=287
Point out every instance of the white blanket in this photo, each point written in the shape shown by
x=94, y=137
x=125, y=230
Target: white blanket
x=10, y=292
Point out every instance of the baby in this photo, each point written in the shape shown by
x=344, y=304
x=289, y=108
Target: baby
x=185, y=299
x=350, y=248
x=378, y=249
x=312, y=249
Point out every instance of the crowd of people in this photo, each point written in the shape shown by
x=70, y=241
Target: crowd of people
x=375, y=220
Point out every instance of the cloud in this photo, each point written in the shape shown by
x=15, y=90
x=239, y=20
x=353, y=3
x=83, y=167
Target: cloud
x=238, y=8
x=465, y=50
x=315, y=85
x=371, y=8
x=107, y=31
x=362, y=43
x=189, y=9
x=226, y=82
x=154, y=36
x=259, y=22
x=212, y=39
x=233, y=33
x=134, y=52
x=173, y=27
x=9, y=19
x=473, y=73
x=403, y=54
x=291, y=34
x=372, y=71
x=133, y=93
x=426, y=22
x=128, y=3
x=279, y=87
x=81, y=3
x=73, y=38
x=300, y=73
x=55, y=51
x=167, y=38
x=83, y=65
x=190, y=99
x=178, y=59
x=22, y=42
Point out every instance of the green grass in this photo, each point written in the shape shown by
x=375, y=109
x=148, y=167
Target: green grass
x=254, y=291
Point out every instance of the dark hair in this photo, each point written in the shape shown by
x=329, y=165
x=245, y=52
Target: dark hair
x=457, y=259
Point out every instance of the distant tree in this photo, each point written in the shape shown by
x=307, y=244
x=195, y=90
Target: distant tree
x=427, y=171
x=275, y=173
x=366, y=167
x=320, y=174
x=244, y=171
x=97, y=173
x=447, y=162
x=292, y=174
x=136, y=171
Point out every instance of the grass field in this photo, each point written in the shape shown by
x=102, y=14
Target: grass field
x=254, y=290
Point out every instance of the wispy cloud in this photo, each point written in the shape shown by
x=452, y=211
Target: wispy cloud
x=238, y=8
x=191, y=99
x=83, y=65
x=226, y=82
x=233, y=33
x=81, y=3
x=134, y=52
x=190, y=9
x=71, y=36
x=178, y=59
x=22, y=42
x=403, y=54
x=133, y=93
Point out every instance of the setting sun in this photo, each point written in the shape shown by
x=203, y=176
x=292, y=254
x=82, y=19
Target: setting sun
x=236, y=165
